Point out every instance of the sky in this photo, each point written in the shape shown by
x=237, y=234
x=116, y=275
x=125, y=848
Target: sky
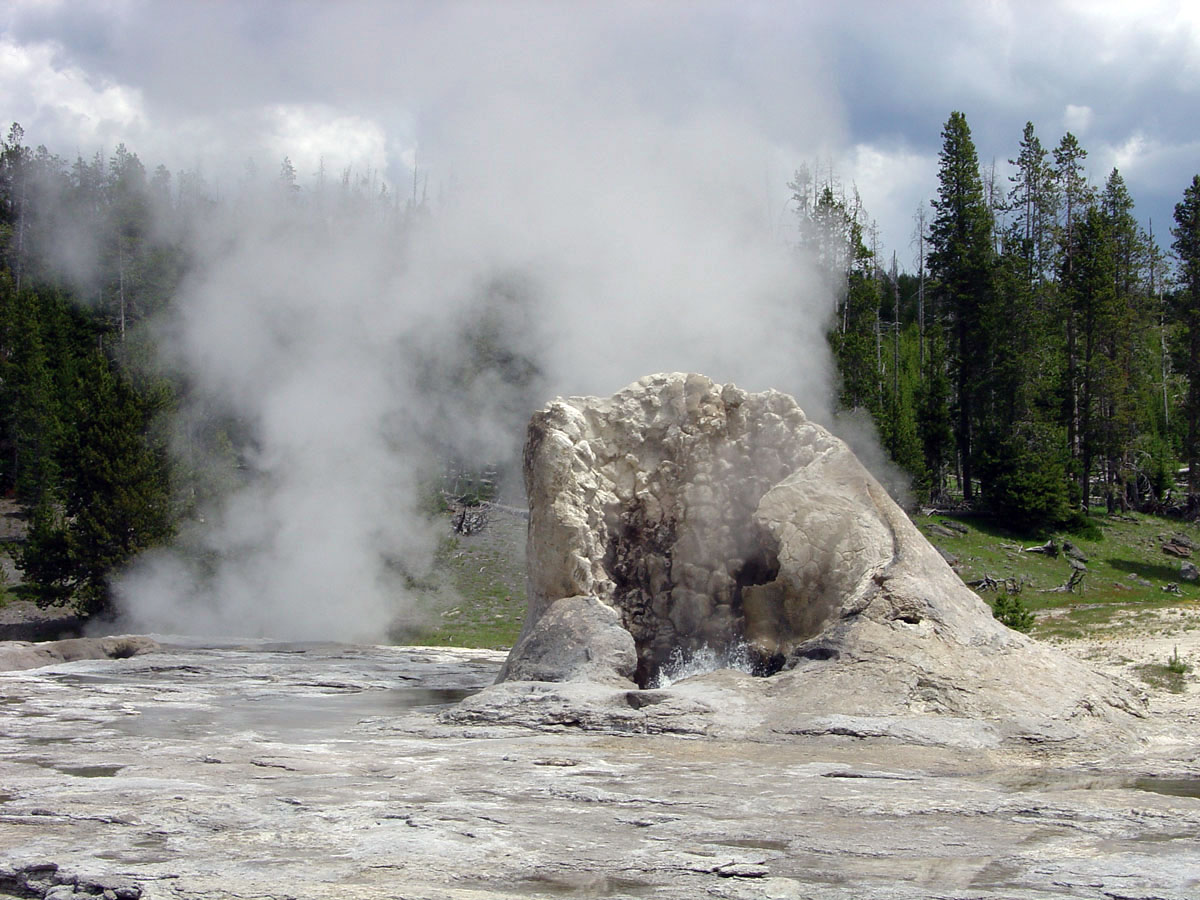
x=859, y=88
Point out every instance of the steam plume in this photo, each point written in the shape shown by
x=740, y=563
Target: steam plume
x=593, y=234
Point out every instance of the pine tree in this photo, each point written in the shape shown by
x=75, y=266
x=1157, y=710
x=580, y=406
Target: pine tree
x=1091, y=292
x=961, y=263
x=1076, y=195
x=15, y=175
x=1156, y=452
x=114, y=501
x=1033, y=201
x=934, y=425
x=1128, y=405
x=1187, y=248
x=831, y=233
x=31, y=405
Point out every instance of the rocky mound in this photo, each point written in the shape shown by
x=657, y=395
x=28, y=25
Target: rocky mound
x=682, y=520
x=29, y=655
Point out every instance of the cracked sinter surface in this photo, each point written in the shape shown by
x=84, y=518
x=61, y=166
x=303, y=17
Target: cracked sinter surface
x=325, y=771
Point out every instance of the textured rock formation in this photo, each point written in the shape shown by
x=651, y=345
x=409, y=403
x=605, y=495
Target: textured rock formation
x=29, y=655
x=576, y=636
x=703, y=517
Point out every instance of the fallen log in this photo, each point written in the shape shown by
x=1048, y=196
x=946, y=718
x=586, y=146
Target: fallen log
x=990, y=583
x=1049, y=548
x=1067, y=587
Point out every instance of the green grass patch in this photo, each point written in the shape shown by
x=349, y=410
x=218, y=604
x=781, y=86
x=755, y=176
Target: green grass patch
x=1126, y=568
x=8, y=551
x=1170, y=676
x=475, y=594
x=1177, y=666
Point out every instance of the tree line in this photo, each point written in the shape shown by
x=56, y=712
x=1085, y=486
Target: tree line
x=91, y=251
x=79, y=443
x=1044, y=360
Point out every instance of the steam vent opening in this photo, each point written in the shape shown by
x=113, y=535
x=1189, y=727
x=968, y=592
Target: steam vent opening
x=688, y=604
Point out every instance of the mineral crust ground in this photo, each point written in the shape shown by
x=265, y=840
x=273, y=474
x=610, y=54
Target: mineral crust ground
x=327, y=771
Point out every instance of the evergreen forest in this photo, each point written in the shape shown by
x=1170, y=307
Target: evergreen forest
x=1044, y=360
x=1038, y=362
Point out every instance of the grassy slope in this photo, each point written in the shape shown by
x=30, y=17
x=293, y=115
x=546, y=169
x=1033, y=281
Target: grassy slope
x=478, y=598
x=12, y=531
x=1126, y=570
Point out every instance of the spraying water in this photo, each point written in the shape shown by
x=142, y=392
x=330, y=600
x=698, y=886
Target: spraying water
x=684, y=664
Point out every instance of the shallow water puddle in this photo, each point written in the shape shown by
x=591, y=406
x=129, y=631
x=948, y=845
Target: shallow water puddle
x=753, y=844
x=1171, y=787
x=284, y=716
x=75, y=771
x=579, y=885
x=89, y=771
x=1071, y=781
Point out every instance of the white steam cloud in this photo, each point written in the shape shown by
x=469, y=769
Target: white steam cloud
x=594, y=228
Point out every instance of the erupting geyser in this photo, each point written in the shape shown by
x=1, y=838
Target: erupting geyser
x=681, y=516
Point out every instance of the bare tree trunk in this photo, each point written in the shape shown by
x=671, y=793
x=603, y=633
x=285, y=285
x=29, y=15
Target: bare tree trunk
x=1166, y=362
x=1156, y=291
x=878, y=359
x=920, y=217
x=846, y=307
x=896, y=332
x=20, y=234
x=921, y=307
x=121, y=287
x=1073, y=437
x=1193, y=432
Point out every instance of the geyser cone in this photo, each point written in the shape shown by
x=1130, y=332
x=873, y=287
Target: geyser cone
x=681, y=515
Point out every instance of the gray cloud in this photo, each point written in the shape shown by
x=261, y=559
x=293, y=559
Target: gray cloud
x=206, y=72
x=1003, y=64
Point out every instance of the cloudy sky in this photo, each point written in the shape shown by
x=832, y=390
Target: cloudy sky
x=865, y=86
